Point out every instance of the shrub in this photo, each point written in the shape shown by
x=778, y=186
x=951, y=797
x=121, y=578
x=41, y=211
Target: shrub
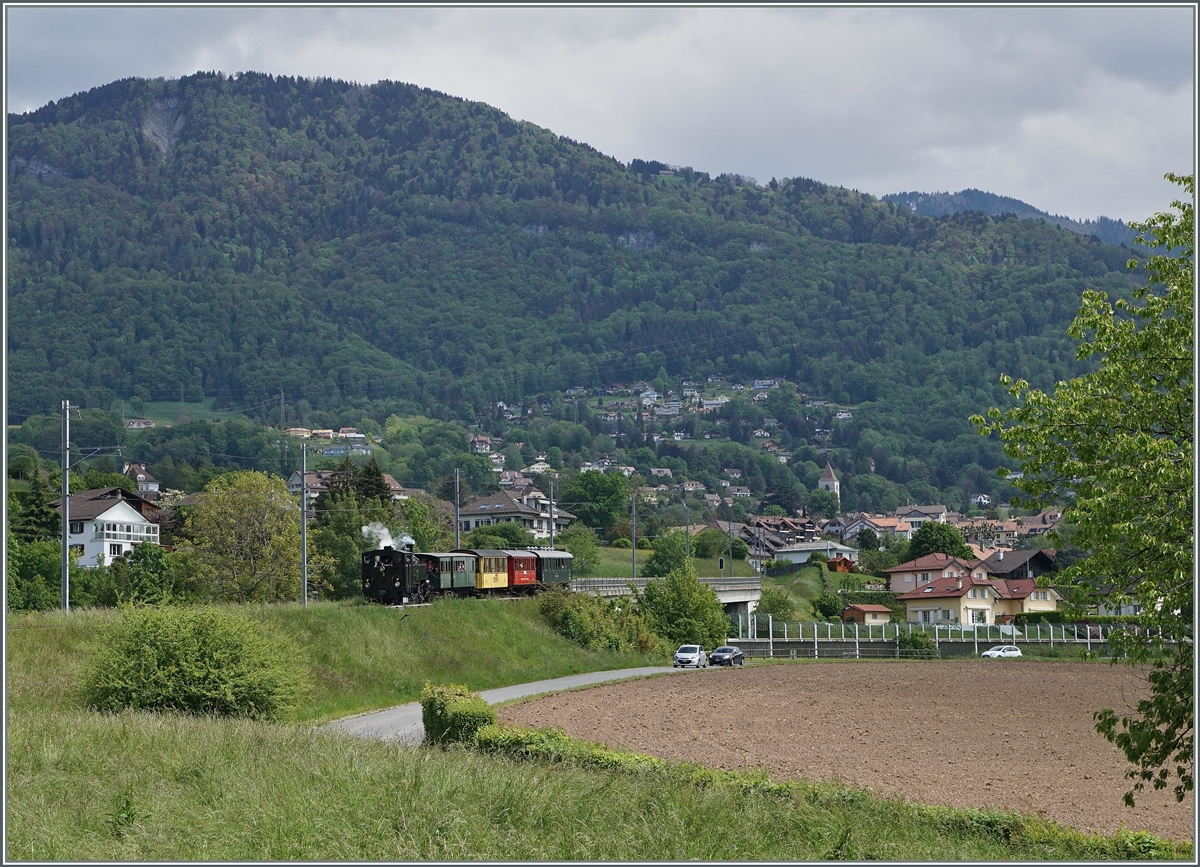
x=595, y=623
x=453, y=713
x=621, y=543
x=827, y=605
x=195, y=660
x=777, y=602
x=915, y=641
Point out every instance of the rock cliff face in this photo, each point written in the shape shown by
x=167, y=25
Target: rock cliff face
x=163, y=123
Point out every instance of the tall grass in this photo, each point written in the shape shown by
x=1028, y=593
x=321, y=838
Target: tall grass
x=164, y=787
x=615, y=563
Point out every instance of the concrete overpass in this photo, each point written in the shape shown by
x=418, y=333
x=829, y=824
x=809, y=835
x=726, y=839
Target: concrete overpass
x=738, y=595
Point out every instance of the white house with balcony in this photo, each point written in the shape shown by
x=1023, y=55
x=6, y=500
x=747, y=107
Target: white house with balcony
x=106, y=523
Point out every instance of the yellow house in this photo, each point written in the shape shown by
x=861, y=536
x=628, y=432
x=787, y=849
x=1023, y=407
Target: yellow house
x=975, y=600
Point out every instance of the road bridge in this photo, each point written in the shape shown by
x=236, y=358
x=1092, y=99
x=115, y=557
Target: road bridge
x=738, y=595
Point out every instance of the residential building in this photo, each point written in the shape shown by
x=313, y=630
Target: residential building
x=106, y=523
x=865, y=613
x=529, y=508
x=968, y=599
x=147, y=485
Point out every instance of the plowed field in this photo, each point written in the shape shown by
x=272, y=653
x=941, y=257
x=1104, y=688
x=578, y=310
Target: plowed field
x=1012, y=734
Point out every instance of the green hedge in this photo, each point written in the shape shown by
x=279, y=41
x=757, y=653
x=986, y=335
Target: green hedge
x=453, y=713
x=196, y=660
x=1029, y=832
x=1068, y=617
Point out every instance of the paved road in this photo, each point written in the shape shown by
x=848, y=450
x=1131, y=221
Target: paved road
x=403, y=722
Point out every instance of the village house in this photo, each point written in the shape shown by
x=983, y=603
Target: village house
x=147, y=485
x=106, y=523
x=866, y=613
x=968, y=599
x=529, y=508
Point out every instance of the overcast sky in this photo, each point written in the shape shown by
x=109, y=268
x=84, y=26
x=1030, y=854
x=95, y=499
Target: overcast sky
x=1078, y=111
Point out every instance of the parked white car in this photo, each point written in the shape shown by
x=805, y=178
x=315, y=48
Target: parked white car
x=691, y=655
x=1002, y=651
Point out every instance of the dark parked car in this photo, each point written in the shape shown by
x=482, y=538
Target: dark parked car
x=726, y=655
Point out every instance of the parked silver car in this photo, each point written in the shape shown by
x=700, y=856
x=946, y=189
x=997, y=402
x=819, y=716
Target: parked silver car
x=1002, y=651
x=691, y=655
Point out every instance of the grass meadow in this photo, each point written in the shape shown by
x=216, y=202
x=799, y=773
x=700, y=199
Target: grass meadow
x=144, y=786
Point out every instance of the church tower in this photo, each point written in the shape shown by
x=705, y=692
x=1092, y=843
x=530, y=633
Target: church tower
x=829, y=481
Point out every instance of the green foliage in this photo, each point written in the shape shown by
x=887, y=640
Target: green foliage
x=712, y=543
x=935, y=537
x=822, y=504
x=34, y=574
x=149, y=575
x=910, y=640
x=682, y=609
x=431, y=528
x=584, y=548
x=36, y=520
x=1116, y=445
x=245, y=538
x=504, y=535
x=828, y=605
x=866, y=540
x=597, y=499
x=621, y=543
x=670, y=554
x=453, y=713
x=195, y=660
x=777, y=602
x=595, y=623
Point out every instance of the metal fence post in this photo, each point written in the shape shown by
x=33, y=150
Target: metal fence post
x=816, y=649
x=856, y=639
x=770, y=637
x=1051, y=635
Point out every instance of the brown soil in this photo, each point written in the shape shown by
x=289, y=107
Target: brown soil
x=1010, y=734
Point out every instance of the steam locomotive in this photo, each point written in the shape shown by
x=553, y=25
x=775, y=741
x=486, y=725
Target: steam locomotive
x=400, y=576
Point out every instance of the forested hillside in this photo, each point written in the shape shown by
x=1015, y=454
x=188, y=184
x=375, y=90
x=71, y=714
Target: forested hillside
x=369, y=250
x=940, y=204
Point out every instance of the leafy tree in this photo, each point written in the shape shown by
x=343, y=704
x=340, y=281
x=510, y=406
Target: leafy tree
x=936, y=537
x=670, y=554
x=683, y=609
x=337, y=536
x=597, y=499
x=431, y=528
x=827, y=605
x=584, y=547
x=245, y=535
x=506, y=534
x=821, y=503
x=1117, y=447
x=710, y=543
x=93, y=479
x=34, y=571
x=774, y=511
x=777, y=602
x=149, y=575
x=23, y=461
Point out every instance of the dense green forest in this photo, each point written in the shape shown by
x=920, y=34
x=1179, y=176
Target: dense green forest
x=370, y=251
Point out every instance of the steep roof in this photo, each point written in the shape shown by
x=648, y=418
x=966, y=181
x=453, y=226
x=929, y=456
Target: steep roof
x=92, y=504
x=931, y=562
x=828, y=475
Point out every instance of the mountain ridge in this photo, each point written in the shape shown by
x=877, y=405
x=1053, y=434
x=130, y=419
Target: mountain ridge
x=1108, y=230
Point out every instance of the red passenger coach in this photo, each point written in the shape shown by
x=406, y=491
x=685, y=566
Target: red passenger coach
x=522, y=568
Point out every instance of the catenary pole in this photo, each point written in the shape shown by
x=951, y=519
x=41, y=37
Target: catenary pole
x=633, y=535
x=552, y=516
x=304, y=519
x=66, y=506
x=457, y=526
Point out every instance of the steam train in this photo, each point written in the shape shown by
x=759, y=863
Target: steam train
x=400, y=576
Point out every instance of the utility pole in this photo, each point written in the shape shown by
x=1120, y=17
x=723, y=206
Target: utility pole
x=457, y=526
x=281, y=408
x=66, y=506
x=633, y=533
x=552, y=516
x=304, y=518
x=687, y=528
x=729, y=528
